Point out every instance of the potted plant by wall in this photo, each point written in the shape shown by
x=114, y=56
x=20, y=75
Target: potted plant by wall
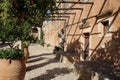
x=12, y=66
x=57, y=51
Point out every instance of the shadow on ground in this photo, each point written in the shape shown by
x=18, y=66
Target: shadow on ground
x=43, y=54
x=29, y=68
x=35, y=60
x=52, y=73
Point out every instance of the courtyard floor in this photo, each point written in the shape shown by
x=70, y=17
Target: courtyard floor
x=41, y=65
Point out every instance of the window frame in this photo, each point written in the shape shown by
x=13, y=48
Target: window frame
x=101, y=27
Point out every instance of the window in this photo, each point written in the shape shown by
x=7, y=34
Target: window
x=106, y=26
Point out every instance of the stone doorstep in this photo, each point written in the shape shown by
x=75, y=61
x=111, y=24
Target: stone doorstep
x=89, y=70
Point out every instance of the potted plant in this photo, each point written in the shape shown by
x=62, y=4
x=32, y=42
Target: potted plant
x=16, y=19
x=12, y=60
x=57, y=51
x=12, y=65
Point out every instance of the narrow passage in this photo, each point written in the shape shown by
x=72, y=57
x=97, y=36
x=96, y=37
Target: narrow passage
x=41, y=65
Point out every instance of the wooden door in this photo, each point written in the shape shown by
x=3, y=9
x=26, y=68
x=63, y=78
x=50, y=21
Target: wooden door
x=86, y=45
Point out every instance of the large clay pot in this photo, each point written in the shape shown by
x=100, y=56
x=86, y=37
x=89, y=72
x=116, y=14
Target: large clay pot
x=12, y=69
x=26, y=53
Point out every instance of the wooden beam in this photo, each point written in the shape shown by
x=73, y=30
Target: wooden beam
x=64, y=13
x=58, y=19
x=70, y=9
x=60, y=16
x=73, y=2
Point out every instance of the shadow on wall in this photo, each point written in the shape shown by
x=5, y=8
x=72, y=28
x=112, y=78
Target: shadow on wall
x=75, y=49
x=111, y=52
x=52, y=73
x=71, y=47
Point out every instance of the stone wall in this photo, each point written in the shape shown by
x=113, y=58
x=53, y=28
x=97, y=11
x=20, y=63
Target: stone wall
x=94, y=13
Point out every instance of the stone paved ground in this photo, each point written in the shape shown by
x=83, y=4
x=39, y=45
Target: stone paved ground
x=41, y=65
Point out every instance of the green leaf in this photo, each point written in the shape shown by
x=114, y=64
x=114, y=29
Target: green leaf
x=11, y=54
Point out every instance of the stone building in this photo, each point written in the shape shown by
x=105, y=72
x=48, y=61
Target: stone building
x=91, y=29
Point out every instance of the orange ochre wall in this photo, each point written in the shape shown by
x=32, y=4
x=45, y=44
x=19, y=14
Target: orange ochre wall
x=103, y=47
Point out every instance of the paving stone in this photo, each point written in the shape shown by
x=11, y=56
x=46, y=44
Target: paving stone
x=41, y=65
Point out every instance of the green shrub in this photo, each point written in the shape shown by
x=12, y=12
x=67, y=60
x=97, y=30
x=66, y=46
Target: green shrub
x=25, y=44
x=11, y=54
x=42, y=37
x=48, y=45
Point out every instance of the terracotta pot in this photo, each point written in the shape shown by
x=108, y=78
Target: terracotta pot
x=26, y=53
x=12, y=69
